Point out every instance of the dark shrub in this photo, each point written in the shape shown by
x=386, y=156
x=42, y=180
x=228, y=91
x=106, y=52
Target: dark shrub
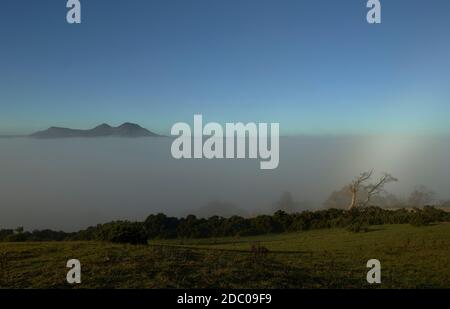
x=20, y=237
x=123, y=232
x=420, y=219
x=161, y=226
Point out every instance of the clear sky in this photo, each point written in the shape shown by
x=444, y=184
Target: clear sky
x=315, y=66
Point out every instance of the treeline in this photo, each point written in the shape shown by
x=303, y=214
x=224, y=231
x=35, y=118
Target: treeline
x=19, y=235
x=161, y=226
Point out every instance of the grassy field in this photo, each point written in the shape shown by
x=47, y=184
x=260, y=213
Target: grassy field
x=410, y=257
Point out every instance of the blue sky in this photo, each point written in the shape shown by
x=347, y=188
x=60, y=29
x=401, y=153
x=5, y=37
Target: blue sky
x=315, y=66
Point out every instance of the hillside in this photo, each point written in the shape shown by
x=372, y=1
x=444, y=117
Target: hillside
x=411, y=257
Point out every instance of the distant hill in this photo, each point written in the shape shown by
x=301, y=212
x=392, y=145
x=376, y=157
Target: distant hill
x=103, y=130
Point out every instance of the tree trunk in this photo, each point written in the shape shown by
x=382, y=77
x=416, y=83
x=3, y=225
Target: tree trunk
x=353, y=203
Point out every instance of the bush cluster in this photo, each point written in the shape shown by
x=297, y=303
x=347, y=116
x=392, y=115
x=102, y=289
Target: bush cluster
x=161, y=226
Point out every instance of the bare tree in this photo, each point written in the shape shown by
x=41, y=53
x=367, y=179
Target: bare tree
x=356, y=185
x=378, y=187
x=370, y=190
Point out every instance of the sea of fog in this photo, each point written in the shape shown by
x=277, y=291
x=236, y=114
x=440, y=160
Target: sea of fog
x=73, y=183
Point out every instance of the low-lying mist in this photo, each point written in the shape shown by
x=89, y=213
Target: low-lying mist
x=70, y=184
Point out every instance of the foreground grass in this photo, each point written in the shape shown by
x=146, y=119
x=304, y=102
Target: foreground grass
x=410, y=257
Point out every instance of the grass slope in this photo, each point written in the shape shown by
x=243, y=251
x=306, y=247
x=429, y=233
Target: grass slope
x=410, y=258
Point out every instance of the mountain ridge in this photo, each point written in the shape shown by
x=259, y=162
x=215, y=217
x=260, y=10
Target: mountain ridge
x=126, y=129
